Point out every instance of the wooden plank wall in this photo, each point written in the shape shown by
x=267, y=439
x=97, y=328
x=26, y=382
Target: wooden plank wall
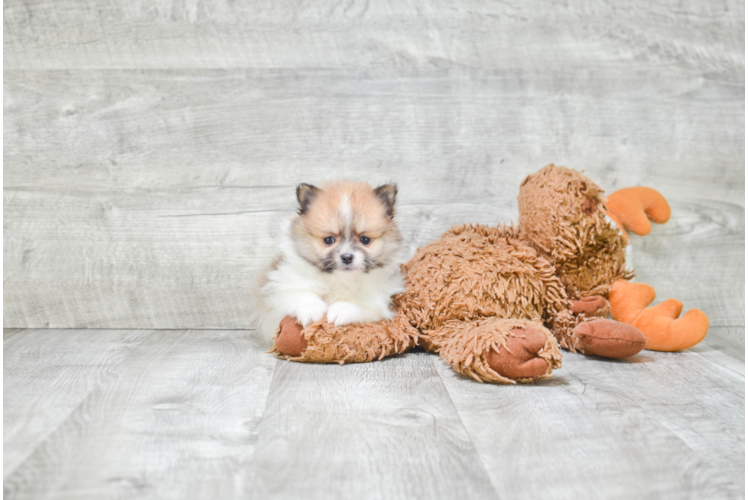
x=151, y=148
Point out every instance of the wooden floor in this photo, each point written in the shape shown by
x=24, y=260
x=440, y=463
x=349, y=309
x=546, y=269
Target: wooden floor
x=150, y=150
x=207, y=414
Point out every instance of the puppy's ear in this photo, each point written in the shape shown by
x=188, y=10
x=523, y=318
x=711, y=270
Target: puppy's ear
x=387, y=194
x=305, y=193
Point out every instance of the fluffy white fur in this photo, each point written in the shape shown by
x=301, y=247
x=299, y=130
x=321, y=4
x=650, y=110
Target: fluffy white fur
x=298, y=288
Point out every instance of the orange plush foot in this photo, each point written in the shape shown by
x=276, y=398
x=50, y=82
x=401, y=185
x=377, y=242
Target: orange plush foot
x=660, y=323
x=290, y=341
x=634, y=207
x=609, y=339
x=665, y=332
x=518, y=358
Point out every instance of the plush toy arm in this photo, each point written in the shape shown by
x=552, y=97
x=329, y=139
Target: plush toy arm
x=632, y=208
x=660, y=323
x=323, y=342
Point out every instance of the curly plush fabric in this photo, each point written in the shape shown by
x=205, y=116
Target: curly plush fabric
x=465, y=346
x=474, y=272
x=562, y=213
x=357, y=343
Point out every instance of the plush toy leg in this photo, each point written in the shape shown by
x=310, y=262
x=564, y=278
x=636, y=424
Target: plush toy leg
x=588, y=332
x=593, y=305
x=518, y=358
x=634, y=207
x=497, y=350
x=660, y=323
x=322, y=342
x=608, y=338
x=563, y=324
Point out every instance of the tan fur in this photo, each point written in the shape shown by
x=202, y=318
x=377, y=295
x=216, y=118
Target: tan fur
x=325, y=217
x=468, y=290
x=369, y=214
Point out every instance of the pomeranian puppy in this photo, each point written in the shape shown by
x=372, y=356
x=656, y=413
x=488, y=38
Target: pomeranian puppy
x=338, y=256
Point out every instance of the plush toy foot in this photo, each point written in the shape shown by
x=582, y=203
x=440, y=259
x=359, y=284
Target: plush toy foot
x=632, y=208
x=290, y=341
x=609, y=339
x=518, y=358
x=660, y=323
x=497, y=350
x=589, y=306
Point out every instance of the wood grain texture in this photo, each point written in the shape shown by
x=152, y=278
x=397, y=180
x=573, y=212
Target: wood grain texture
x=208, y=414
x=287, y=34
x=375, y=430
x=658, y=425
x=176, y=419
x=149, y=199
x=47, y=374
x=724, y=346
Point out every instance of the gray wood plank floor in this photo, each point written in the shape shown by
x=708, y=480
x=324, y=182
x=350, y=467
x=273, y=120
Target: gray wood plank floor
x=151, y=149
x=207, y=414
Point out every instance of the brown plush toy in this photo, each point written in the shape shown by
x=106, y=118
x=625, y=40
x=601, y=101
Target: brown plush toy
x=496, y=302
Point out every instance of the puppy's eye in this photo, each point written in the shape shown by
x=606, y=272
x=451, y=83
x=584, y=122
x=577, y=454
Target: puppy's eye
x=365, y=240
x=329, y=240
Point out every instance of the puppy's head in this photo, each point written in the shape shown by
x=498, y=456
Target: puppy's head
x=346, y=226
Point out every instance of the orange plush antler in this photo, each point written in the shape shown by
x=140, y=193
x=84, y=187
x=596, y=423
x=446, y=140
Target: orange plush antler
x=634, y=207
x=660, y=323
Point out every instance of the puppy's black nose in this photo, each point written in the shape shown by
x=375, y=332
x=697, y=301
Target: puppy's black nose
x=346, y=258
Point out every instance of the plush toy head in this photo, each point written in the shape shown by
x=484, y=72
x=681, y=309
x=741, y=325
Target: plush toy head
x=562, y=214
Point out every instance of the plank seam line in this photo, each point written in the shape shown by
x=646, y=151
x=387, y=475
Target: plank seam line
x=106, y=376
x=264, y=411
x=225, y=213
x=434, y=359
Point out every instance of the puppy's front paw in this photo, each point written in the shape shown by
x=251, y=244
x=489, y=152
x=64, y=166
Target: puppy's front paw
x=310, y=310
x=342, y=313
